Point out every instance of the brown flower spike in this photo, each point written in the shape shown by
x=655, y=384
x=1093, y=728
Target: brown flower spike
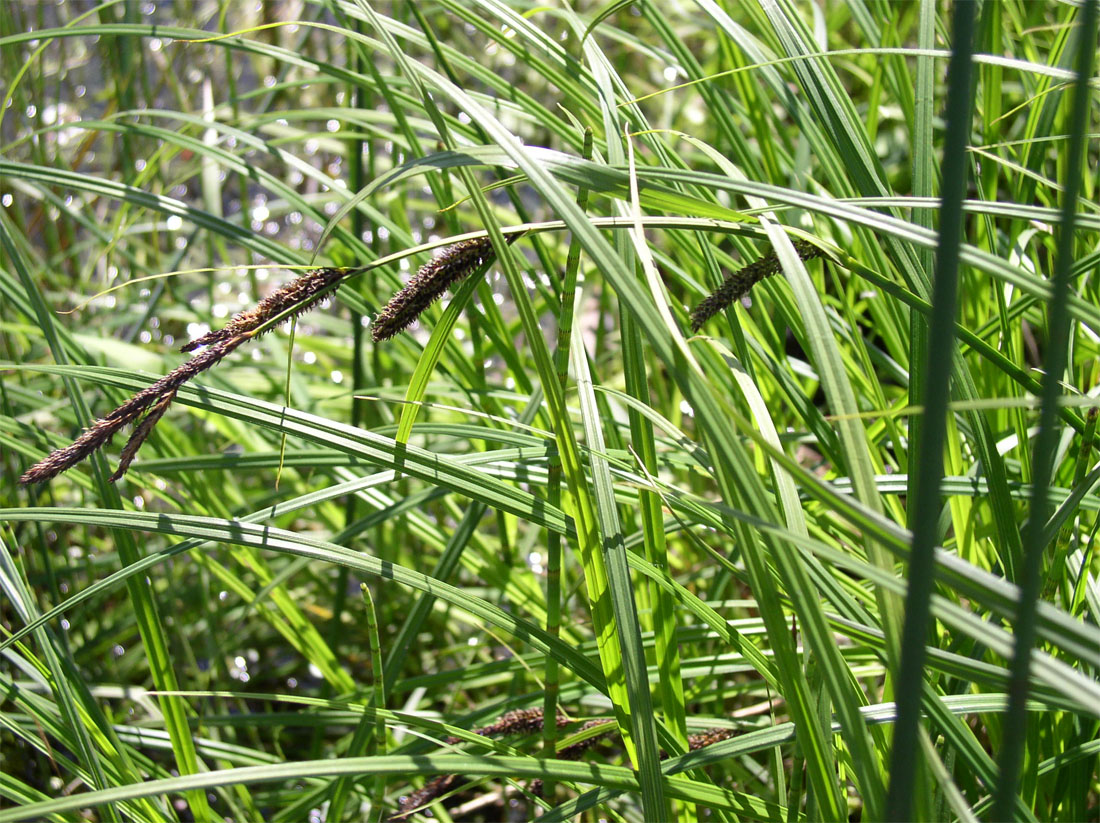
x=297, y=296
x=291, y=300
x=428, y=284
x=531, y=721
x=520, y=721
x=738, y=284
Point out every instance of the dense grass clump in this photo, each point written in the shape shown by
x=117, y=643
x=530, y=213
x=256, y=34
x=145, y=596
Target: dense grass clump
x=746, y=469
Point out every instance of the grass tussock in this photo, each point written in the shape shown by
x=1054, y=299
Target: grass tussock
x=525, y=452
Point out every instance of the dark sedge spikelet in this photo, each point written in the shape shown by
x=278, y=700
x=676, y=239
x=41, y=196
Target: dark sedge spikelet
x=428, y=284
x=103, y=430
x=530, y=721
x=575, y=751
x=298, y=296
x=738, y=284
x=520, y=721
x=433, y=789
x=291, y=300
x=141, y=431
x=710, y=737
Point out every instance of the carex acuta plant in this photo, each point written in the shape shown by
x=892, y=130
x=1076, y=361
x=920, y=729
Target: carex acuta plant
x=526, y=722
x=298, y=296
x=145, y=408
x=453, y=264
x=739, y=283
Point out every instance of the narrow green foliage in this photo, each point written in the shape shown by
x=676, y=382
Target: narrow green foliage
x=904, y=766
x=828, y=556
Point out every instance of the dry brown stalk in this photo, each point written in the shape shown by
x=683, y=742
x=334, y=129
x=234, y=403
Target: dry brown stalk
x=291, y=300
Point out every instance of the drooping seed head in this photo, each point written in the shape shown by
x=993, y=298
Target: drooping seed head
x=740, y=282
x=298, y=296
x=428, y=284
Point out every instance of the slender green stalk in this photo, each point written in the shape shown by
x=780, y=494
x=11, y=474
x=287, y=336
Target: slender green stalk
x=937, y=369
x=566, y=309
x=1016, y=727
